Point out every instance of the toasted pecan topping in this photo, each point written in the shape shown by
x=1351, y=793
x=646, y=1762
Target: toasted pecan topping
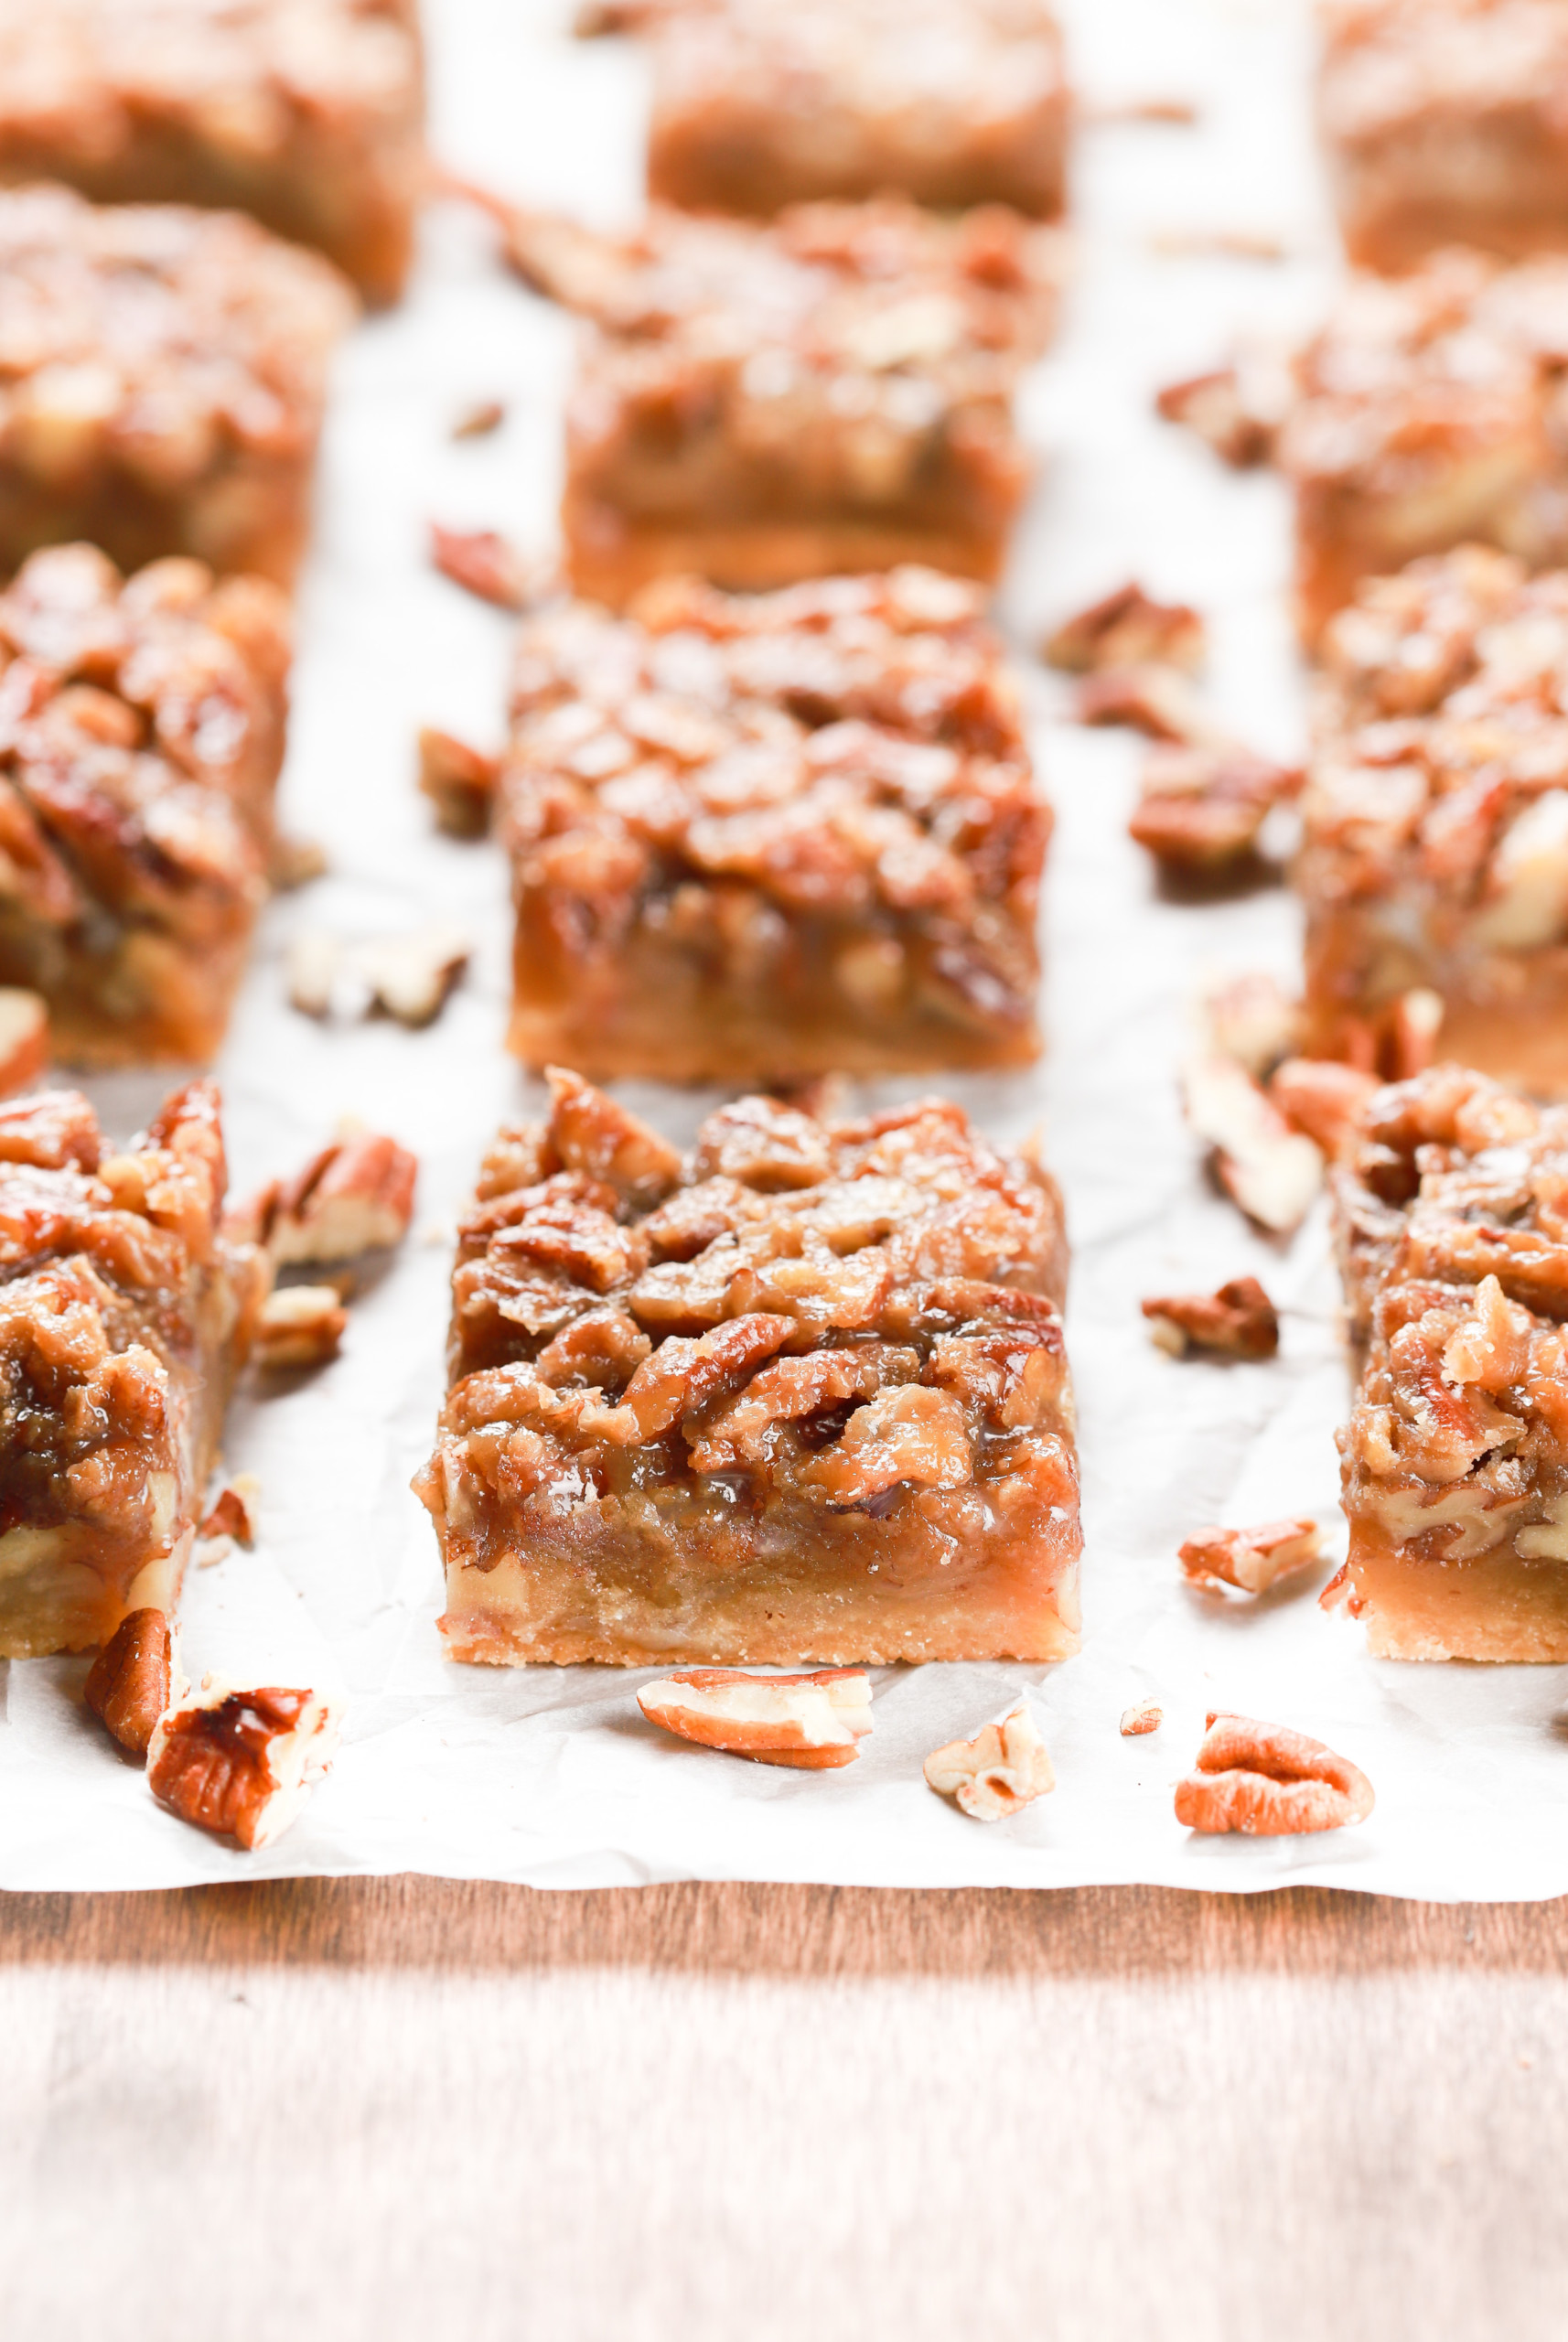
x=1269, y=1782
x=1239, y=1321
x=131, y=1679
x=814, y=1723
x=1003, y=1768
x=1252, y=1559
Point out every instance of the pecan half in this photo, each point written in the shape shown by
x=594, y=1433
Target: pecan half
x=239, y=1763
x=1239, y=1321
x=1144, y=1715
x=1271, y=1171
x=486, y=565
x=1003, y=1768
x=24, y=1038
x=1252, y=1559
x=300, y=1326
x=1127, y=628
x=814, y=1723
x=131, y=1679
x=355, y=1197
x=1269, y=1782
x=459, y=781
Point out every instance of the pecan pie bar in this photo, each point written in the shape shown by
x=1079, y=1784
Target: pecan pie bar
x=761, y=103
x=141, y=729
x=306, y=113
x=799, y=1395
x=1451, y=1210
x=765, y=838
x=1446, y=122
x=124, y=1315
x=1427, y=415
x=163, y=373
x=764, y=404
x=1434, y=860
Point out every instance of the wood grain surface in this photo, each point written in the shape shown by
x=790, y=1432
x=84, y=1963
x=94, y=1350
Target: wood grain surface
x=389, y=2107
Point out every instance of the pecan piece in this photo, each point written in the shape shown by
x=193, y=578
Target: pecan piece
x=409, y=975
x=478, y=421
x=1239, y=1321
x=239, y=1763
x=910, y=1434
x=485, y=564
x=310, y=972
x=1271, y=1171
x=1269, y=1782
x=1252, y=1559
x=293, y=861
x=592, y=1134
x=1159, y=700
x=459, y=781
x=1003, y=1768
x=1202, y=806
x=300, y=1326
x=1322, y=1099
x=233, y=1512
x=1127, y=628
x=24, y=1038
x=764, y=1146
x=814, y=1723
x=1144, y=1715
x=355, y=1197
x=131, y=1679
x=1227, y=412
x=684, y=1374
x=1252, y=1018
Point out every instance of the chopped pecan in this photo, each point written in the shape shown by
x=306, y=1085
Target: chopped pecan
x=1232, y=410
x=694, y=1218
x=311, y=967
x=1144, y=1715
x=816, y=1287
x=52, y=1129
x=1490, y=1348
x=131, y=1679
x=1413, y=1027
x=485, y=564
x=355, y=1197
x=911, y=1435
x=459, y=781
x=233, y=1513
x=1252, y=1018
x=593, y=1135
x=1271, y=1171
x=1127, y=628
x=789, y=1391
x=1001, y=1769
x=601, y=1349
x=762, y=1144
x=814, y=1723
x=411, y=976
x=478, y=421
x=1321, y=1098
x=239, y=1763
x=1159, y=700
x=1252, y=1559
x=1010, y=1374
x=682, y=1375
x=300, y=1325
x=1203, y=806
x=1269, y=1782
x=24, y=1038
x=1239, y=1321
x=293, y=861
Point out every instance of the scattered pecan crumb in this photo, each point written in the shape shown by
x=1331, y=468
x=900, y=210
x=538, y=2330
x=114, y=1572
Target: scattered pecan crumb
x=478, y=421
x=1203, y=805
x=24, y=1038
x=239, y=1763
x=310, y=971
x=1321, y=1098
x=1269, y=1782
x=410, y=976
x=1252, y=1018
x=812, y=1721
x=1127, y=628
x=1241, y=429
x=1225, y=243
x=1239, y=1321
x=293, y=861
x=300, y=1325
x=1271, y=1171
x=486, y=565
x=129, y=1686
x=1252, y=1559
x=234, y=1512
x=1003, y=1767
x=1159, y=700
x=1144, y=1715
x=459, y=781
x=355, y=1197
x=1180, y=112
x=1340, y=1589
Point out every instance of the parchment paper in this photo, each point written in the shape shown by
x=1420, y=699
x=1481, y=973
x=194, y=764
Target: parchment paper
x=550, y=1776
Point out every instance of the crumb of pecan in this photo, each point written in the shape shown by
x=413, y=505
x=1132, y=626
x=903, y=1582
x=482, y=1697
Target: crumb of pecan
x=1003, y=1768
x=1144, y=1715
x=487, y=566
x=233, y=1512
x=1202, y=806
x=300, y=1326
x=1237, y=410
x=1127, y=628
x=1230, y=244
x=459, y=781
x=1252, y=1018
x=409, y=975
x=1179, y=112
x=241, y=1763
x=1159, y=700
x=293, y=861
x=478, y=421
x=130, y=1679
x=1321, y=1098
x=1273, y=1171
x=1251, y=1559
x=1239, y=1321
x=1268, y=1781
x=814, y=1723
x=24, y=1038
x=354, y=1196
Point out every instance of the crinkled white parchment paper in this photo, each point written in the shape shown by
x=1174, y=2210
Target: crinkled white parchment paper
x=549, y=1774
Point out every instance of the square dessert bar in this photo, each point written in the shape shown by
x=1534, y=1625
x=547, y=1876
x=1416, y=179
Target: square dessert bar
x=1446, y=122
x=1426, y=416
x=163, y=373
x=760, y=103
x=799, y=1395
x=1434, y=856
x=1452, y=1204
x=305, y=113
x=124, y=1315
x=763, y=404
x=763, y=838
x=141, y=731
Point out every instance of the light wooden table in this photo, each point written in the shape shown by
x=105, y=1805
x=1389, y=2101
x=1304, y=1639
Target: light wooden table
x=405, y=2107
